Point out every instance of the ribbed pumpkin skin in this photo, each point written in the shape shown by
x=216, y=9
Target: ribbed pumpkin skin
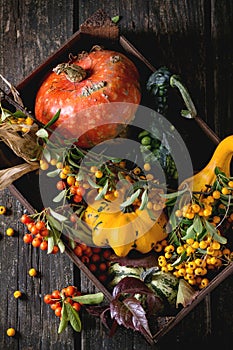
x=111, y=77
x=124, y=231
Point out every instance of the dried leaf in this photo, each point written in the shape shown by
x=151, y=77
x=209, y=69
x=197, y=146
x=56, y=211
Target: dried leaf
x=9, y=175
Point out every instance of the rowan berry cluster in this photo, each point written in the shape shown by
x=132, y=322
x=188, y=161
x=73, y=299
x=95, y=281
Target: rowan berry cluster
x=38, y=233
x=95, y=258
x=57, y=298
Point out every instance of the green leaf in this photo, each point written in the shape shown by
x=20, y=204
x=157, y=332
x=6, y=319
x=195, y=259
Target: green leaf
x=5, y=114
x=174, y=194
x=64, y=319
x=53, y=223
x=47, y=155
x=50, y=244
x=61, y=195
x=54, y=173
x=57, y=216
x=53, y=120
x=131, y=199
x=115, y=19
x=180, y=259
x=190, y=233
x=214, y=233
x=197, y=224
x=42, y=133
x=144, y=200
x=92, y=183
x=96, y=298
x=74, y=318
x=61, y=246
x=103, y=192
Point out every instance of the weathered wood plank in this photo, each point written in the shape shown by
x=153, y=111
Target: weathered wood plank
x=30, y=31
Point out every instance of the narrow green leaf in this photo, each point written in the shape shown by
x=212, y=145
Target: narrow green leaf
x=54, y=173
x=197, y=224
x=96, y=298
x=61, y=246
x=53, y=223
x=190, y=233
x=46, y=155
x=131, y=199
x=53, y=120
x=180, y=259
x=103, y=192
x=92, y=183
x=57, y=216
x=60, y=196
x=64, y=319
x=144, y=200
x=74, y=318
x=5, y=114
x=50, y=244
x=42, y=133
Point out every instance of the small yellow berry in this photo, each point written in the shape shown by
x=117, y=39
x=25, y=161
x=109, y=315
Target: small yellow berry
x=32, y=272
x=225, y=191
x=43, y=165
x=203, y=244
x=195, y=208
x=53, y=161
x=17, y=294
x=230, y=184
x=10, y=332
x=2, y=209
x=216, y=194
x=178, y=213
x=59, y=165
x=98, y=174
x=147, y=167
x=216, y=245
x=29, y=121
x=10, y=232
x=204, y=283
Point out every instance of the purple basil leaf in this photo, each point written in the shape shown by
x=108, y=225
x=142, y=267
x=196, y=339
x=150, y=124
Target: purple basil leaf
x=130, y=314
x=131, y=285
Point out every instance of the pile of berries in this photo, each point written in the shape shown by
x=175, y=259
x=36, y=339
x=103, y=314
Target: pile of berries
x=38, y=233
x=57, y=298
x=95, y=258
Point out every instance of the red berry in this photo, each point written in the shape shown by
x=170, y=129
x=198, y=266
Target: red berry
x=61, y=185
x=95, y=258
x=27, y=238
x=44, y=245
x=76, y=306
x=40, y=225
x=36, y=242
x=44, y=233
x=78, y=251
x=56, y=294
x=48, y=299
x=70, y=290
x=25, y=219
x=55, y=250
x=58, y=311
x=77, y=198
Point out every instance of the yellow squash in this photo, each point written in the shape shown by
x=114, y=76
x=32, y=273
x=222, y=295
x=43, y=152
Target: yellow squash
x=221, y=158
x=124, y=231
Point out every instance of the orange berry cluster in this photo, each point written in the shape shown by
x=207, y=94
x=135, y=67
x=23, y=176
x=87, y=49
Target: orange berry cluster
x=38, y=233
x=95, y=258
x=56, y=298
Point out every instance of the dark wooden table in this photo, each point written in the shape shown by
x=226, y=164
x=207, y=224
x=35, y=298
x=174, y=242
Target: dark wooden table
x=192, y=38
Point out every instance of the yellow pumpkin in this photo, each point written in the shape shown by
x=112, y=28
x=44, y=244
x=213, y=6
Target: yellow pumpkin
x=221, y=158
x=122, y=230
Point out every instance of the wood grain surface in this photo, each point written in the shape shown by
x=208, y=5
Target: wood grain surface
x=191, y=38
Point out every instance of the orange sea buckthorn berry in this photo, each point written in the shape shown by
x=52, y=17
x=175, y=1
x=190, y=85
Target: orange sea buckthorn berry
x=216, y=194
x=98, y=174
x=204, y=283
x=178, y=213
x=93, y=169
x=53, y=161
x=43, y=165
x=17, y=294
x=180, y=249
x=147, y=167
x=10, y=232
x=225, y=191
x=10, y=332
x=70, y=180
x=195, y=208
x=230, y=184
x=32, y=272
x=216, y=245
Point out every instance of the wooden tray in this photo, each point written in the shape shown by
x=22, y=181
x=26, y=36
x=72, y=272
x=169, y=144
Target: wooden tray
x=99, y=29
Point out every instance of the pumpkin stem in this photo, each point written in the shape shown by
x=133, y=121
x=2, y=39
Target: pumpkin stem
x=73, y=72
